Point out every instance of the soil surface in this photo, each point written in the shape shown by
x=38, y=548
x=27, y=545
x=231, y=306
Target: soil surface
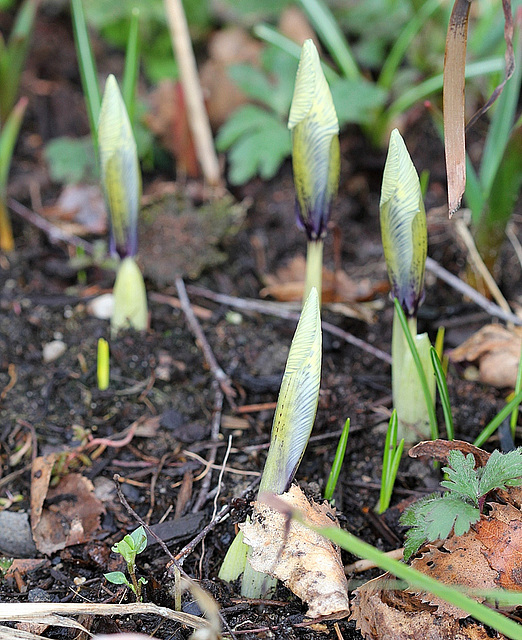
x=156, y=424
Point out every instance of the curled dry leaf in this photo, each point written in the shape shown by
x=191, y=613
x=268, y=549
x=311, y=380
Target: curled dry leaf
x=382, y=613
x=307, y=563
x=496, y=352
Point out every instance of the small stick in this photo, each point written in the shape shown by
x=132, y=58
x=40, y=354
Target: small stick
x=214, y=437
x=479, y=265
x=220, y=516
x=364, y=565
x=196, y=113
x=53, y=232
x=275, y=309
x=471, y=293
x=218, y=373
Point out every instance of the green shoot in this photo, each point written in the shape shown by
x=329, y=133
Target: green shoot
x=338, y=462
x=102, y=365
x=518, y=387
x=492, y=426
x=293, y=420
x=427, y=389
x=442, y=387
x=315, y=158
x=390, y=463
x=132, y=57
x=435, y=516
x=131, y=546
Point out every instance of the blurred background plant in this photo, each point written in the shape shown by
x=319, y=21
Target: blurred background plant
x=13, y=55
x=386, y=57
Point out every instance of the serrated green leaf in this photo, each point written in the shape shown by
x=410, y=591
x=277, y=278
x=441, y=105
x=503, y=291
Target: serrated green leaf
x=116, y=577
x=253, y=82
x=433, y=518
x=259, y=151
x=501, y=470
x=463, y=479
x=297, y=403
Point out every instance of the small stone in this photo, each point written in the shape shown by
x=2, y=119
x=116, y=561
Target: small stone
x=102, y=307
x=53, y=350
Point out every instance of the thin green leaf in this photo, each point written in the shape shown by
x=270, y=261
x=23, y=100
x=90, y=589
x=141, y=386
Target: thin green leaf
x=87, y=65
x=442, y=386
x=492, y=426
x=338, y=462
x=501, y=124
x=473, y=193
x=297, y=404
x=518, y=387
x=8, y=138
x=130, y=71
x=332, y=37
x=13, y=56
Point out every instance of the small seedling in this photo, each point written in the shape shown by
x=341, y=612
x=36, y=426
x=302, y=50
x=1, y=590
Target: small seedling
x=390, y=463
x=132, y=545
x=435, y=516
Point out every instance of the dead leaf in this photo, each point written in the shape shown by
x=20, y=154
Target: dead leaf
x=459, y=562
x=503, y=542
x=385, y=614
x=287, y=285
x=439, y=450
x=80, y=210
x=307, y=563
x=294, y=24
x=496, y=351
x=453, y=103
x=71, y=517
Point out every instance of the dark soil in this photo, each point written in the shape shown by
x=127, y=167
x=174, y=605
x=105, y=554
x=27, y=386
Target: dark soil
x=163, y=374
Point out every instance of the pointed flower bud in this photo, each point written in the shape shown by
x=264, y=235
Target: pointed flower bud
x=403, y=226
x=120, y=171
x=315, y=144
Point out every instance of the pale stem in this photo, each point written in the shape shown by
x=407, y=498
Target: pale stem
x=314, y=268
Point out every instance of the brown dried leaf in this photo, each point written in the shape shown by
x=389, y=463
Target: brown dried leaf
x=503, y=548
x=453, y=103
x=460, y=562
x=80, y=209
x=384, y=614
x=496, y=350
x=307, y=563
x=72, y=517
x=439, y=450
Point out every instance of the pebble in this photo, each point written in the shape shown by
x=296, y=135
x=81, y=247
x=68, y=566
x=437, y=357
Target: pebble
x=53, y=350
x=101, y=307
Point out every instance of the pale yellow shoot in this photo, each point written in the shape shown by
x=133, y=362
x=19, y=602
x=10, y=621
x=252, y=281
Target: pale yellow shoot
x=130, y=299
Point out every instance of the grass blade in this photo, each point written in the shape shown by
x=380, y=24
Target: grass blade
x=518, y=388
x=332, y=37
x=130, y=71
x=442, y=386
x=338, y=462
x=89, y=75
x=492, y=426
